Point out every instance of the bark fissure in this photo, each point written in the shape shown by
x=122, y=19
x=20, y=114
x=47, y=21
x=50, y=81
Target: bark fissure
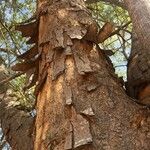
x=110, y=126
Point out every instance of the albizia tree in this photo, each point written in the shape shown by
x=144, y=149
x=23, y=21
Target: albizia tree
x=81, y=104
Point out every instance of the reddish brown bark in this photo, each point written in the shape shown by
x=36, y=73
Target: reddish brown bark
x=81, y=104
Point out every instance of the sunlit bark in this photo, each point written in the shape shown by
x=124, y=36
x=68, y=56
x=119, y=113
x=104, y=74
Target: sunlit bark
x=139, y=11
x=81, y=104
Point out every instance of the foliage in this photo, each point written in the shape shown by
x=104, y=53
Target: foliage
x=23, y=99
x=12, y=43
x=120, y=42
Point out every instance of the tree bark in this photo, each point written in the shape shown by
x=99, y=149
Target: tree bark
x=139, y=11
x=80, y=102
x=139, y=64
x=17, y=125
x=138, y=74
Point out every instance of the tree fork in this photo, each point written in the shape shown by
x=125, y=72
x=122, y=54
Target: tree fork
x=81, y=104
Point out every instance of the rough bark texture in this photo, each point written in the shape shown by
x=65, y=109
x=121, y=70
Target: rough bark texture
x=17, y=125
x=81, y=104
x=139, y=72
x=139, y=11
x=139, y=62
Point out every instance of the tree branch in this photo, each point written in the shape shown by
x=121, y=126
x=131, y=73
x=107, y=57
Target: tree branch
x=11, y=78
x=17, y=125
x=120, y=28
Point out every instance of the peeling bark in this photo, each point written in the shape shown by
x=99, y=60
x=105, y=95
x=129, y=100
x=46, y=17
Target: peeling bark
x=81, y=105
x=84, y=106
x=29, y=54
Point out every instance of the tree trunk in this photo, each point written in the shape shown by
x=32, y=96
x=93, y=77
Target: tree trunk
x=139, y=62
x=138, y=74
x=139, y=11
x=80, y=103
